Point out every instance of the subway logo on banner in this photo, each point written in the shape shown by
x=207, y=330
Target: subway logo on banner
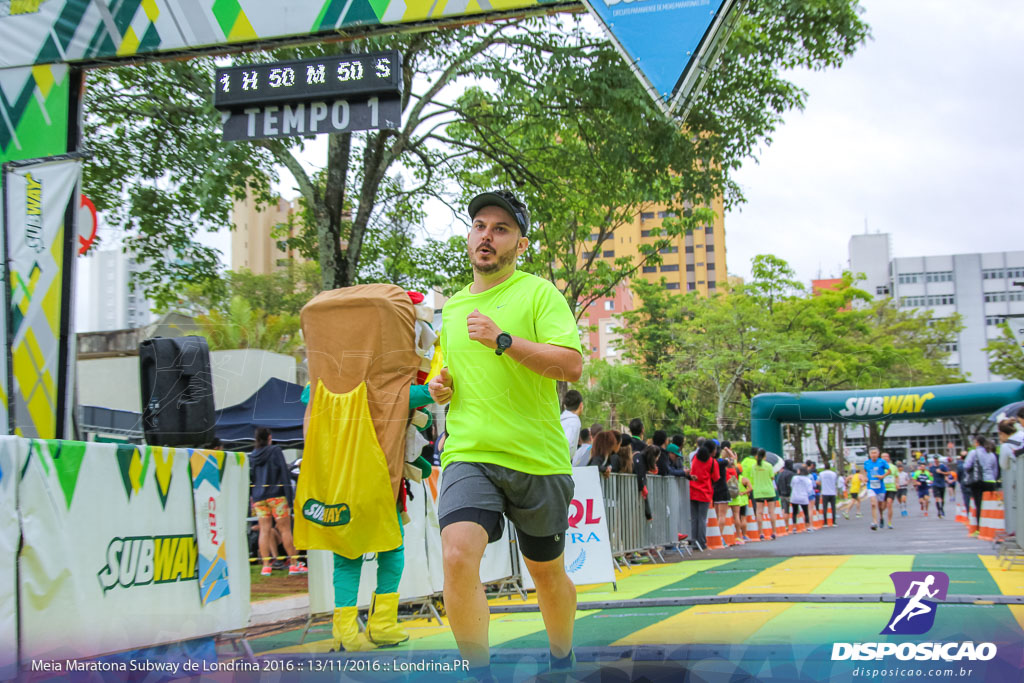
x=34, y=213
x=885, y=405
x=142, y=560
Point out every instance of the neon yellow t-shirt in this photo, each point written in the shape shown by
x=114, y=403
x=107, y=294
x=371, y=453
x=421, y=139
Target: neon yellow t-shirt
x=501, y=412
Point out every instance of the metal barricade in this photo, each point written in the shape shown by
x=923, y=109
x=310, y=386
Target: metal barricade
x=1011, y=551
x=628, y=529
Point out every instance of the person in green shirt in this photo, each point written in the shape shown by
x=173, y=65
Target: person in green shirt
x=507, y=339
x=761, y=475
x=889, y=480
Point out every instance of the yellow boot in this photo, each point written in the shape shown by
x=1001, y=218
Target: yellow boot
x=345, y=629
x=382, y=628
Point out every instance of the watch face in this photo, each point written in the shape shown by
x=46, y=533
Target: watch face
x=504, y=340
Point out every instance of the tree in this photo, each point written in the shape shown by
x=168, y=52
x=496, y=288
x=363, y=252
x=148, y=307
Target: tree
x=241, y=326
x=1006, y=356
x=572, y=129
x=615, y=394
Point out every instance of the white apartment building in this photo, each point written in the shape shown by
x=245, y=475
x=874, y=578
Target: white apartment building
x=983, y=288
x=104, y=297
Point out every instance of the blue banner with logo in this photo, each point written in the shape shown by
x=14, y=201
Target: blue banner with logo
x=665, y=41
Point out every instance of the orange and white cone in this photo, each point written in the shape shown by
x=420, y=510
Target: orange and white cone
x=799, y=526
x=961, y=513
x=781, y=528
x=816, y=520
x=750, y=523
x=972, y=518
x=767, y=528
x=714, y=534
x=728, y=528
x=993, y=520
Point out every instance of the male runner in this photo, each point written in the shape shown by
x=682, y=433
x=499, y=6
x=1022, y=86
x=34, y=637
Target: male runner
x=507, y=338
x=876, y=470
x=940, y=478
x=890, y=487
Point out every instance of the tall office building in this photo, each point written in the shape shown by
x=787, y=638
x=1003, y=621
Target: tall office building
x=105, y=298
x=984, y=289
x=692, y=263
x=252, y=246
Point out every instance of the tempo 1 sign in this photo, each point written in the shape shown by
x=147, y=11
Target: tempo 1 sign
x=312, y=118
x=348, y=76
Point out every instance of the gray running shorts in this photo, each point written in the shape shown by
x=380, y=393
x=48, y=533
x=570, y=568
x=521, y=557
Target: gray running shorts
x=537, y=504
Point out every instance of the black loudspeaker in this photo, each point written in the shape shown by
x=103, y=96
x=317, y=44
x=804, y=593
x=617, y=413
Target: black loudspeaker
x=177, y=391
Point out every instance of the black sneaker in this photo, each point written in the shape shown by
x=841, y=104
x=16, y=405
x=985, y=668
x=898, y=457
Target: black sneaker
x=874, y=527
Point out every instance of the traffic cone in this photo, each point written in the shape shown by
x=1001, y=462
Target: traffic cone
x=993, y=520
x=767, y=528
x=752, y=533
x=714, y=534
x=799, y=527
x=781, y=527
x=816, y=520
x=728, y=528
x=972, y=518
x=961, y=514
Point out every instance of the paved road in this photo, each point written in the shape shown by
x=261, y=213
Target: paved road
x=913, y=535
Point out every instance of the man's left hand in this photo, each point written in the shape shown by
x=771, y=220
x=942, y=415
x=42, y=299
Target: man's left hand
x=482, y=329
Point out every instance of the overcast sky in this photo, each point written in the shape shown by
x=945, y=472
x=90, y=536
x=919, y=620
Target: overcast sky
x=920, y=134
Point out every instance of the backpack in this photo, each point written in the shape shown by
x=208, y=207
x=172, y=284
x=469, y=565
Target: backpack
x=733, y=484
x=975, y=474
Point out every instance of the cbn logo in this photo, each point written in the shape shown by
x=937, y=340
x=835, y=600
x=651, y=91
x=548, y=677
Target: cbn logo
x=142, y=560
x=885, y=405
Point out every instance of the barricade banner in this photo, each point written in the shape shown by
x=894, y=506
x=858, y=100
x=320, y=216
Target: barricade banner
x=206, y=467
x=110, y=558
x=588, y=550
x=10, y=448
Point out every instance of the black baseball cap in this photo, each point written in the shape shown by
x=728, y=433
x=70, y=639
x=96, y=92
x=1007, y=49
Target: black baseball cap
x=506, y=200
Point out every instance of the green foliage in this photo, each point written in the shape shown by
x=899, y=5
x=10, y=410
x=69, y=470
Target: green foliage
x=1006, y=357
x=615, y=394
x=713, y=354
x=241, y=326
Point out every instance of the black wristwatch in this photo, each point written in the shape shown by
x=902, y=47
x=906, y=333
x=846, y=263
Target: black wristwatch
x=504, y=341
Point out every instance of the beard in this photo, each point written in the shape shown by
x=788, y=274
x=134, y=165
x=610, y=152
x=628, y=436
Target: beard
x=503, y=260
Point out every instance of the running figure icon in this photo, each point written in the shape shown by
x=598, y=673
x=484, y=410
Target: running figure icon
x=915, y=607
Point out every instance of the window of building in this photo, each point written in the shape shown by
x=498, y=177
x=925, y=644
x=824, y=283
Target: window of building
x=669, y=250
x=645, y=233
x=993, y=320
x=646, y=215
x=689, y=250
x=709, y=229
x=991, y=297
x=935, y=300
x=951, y=347
x=710, y=247
x=689, y=267
x=712, y=285
x=650, y=269
x=700, y=263
x=690, y=286
x=711, y=265
x=608, y=253
x=609, y=327
x=700, y=282
x=587, y=254
x=1000, y=273
x=666, y=214
x=882, y=290
x=592, y=237
x=609, y=351
x=908, y=278
x=939, y=276
x=671, y=285
x=609, y=305
x=672, y=268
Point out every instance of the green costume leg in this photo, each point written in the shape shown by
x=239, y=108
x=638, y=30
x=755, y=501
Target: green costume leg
x=346, y=580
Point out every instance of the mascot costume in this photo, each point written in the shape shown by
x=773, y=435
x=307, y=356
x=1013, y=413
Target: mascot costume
x=369, y=350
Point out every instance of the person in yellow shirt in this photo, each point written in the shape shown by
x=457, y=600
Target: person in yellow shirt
x=507, y=339
x=856, y=484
